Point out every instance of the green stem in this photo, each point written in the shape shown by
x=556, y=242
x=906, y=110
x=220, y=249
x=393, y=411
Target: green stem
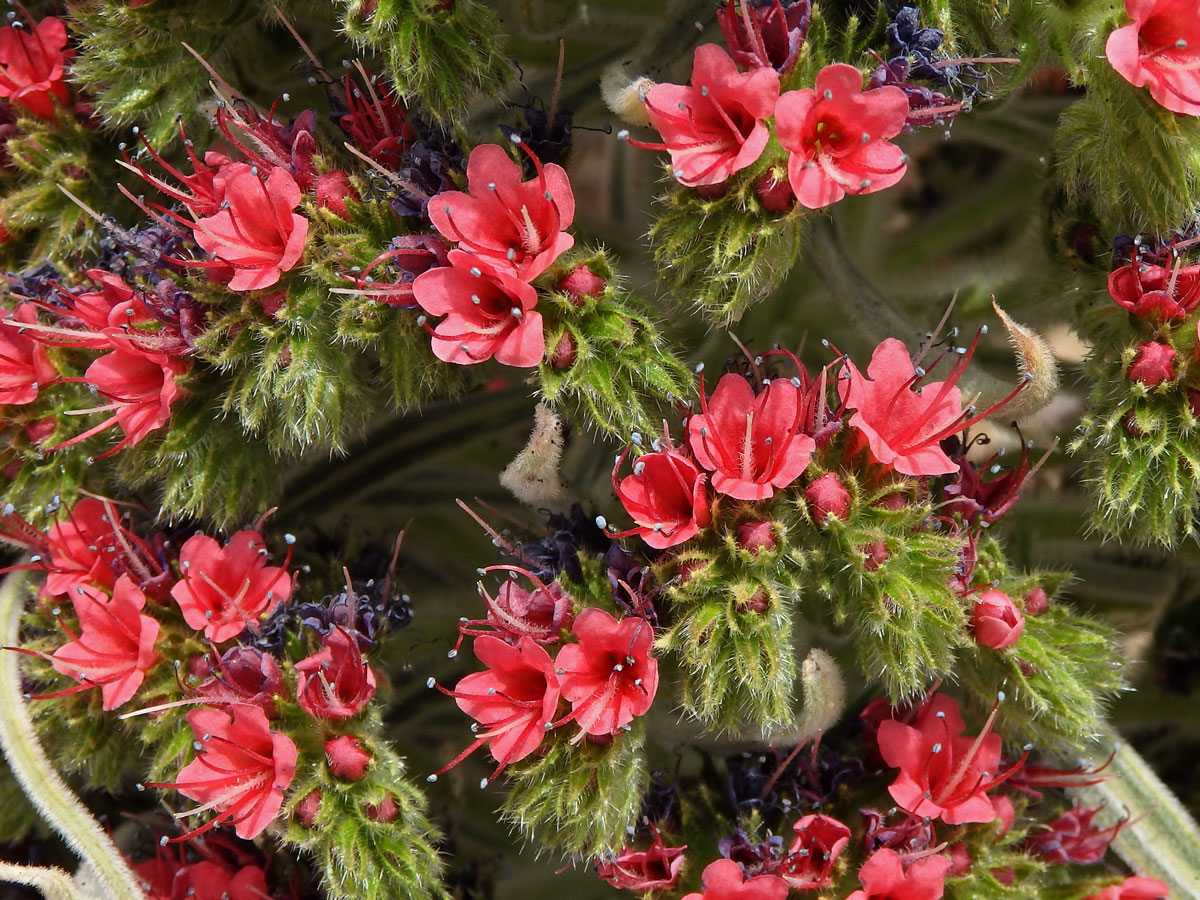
x=46, y=790
x=1166, y=843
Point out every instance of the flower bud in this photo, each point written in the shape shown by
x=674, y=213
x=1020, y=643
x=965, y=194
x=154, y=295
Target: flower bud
x=877, y=554
x=960, y=859
x=581, y=283
x=758, y=603
x=563, y=356
x=1036, y=602
x=892, y=501
x=1194, y=402
x=346, y=757
x=309, y=808
x=827, y=497
x=774, y=191
x=995, y=621
x=332, y=189
x=383, y=811
x=1154, y=364
x=755, y=537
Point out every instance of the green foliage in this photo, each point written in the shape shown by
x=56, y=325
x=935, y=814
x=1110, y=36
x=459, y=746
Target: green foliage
x=436, y=53
x=579, y=797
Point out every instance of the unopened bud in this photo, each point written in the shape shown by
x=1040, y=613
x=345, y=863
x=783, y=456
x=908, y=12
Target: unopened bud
x=827, y=497
x=756, y=536
x=1154, y=364
x=1036, y=602
x=581, y=283
x=774, y=191
x=346, y=757
x=309, y=808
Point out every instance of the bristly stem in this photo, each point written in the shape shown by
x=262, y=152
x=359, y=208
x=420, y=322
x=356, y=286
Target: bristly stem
x=45, y=789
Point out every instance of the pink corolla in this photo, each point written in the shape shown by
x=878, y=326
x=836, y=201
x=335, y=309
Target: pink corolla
x=609, y=676
x=665, y=496
x=837, y=135
x=24, y=366
x=717, y=126
x=33, y=65
x=1160, y=50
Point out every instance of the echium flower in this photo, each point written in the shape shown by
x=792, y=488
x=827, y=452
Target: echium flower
x=725, y=880
x=335, y=683
x=765, y=32
x=1160, y=49
x=665, y=495
x=1072, y=838
x=540, y=612
x=717, y=126
x=33, y=64
x=24, y=366
x=884, y=877
x=1156, y=291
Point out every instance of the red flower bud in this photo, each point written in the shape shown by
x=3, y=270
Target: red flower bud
x=563, y=356
x=995, y=621
x=581, y=282
x=309, y=808
x=756, y=536
x=892, y=501
x=877, y=554
x=332, y=189
x=774, y=191
x=346, y=757
x=1036, y=602
x=960, y=860
x=758, y=603
x=1154, y=364
x=383, y=811
x=826, y=497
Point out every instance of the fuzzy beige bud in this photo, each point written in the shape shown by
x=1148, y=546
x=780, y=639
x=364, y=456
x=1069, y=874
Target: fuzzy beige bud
x=625, y=94
x=533, y=476
x=1035, y=360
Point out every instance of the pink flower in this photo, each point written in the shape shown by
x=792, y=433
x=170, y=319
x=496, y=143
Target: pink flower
x=903, y=427
x=489, y=313
x=225, y=589
x=717, y=126
x=884, y=876
x=515, y=612
x=820, y=840
x=751, y=443
x=518, y=227
x=665, y=496
x=837, y=135
x=257, y=234
x=943, y=773
x=33, y=66
x=765, y=34
x=515, y=699
x=995, y=620
x=653, y=869
x=114, y=305
x=244, y=675
x=140, y=389
x=609, y=677
x=1135, y=887
x=24, y=367
x=1160, y=49
x=1156, y=290
x=90, y=548
x=1154, y=364
x=335, y=683
x=241, y=769
x=115, y=646
x=203, y=880
x=1072, y=838
x=725, y=880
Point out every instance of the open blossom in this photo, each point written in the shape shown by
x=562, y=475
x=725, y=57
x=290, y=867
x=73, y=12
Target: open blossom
x=1072, y=838
x=375, y=119
x=837, y=137
x=809, y=863
x=725, y=880
x=115, y=645
x=1169, y=293
x=654, y=869
x=717, y=126
x=91, y=547
x=1160, y=49
x=335, y=683
x=256, y=231
x=609, y=677
x=943, y=773
x=519, y=227
x=883, y=876
x=24, y=366
x=488, y=313
x=33, y=66
x=665, y=496
x=225, y=589
x=113, y=305
x=1135, y=887
x=995, y=620
x=514, y=699
x=243, y=675
x=751, y=442
x=241, y=769
x=208, y=879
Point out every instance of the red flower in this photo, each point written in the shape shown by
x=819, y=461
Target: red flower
x=224, y=589
x=715, y=127
x=764, y=34
x=33, y=66
x=255, y=232
x=1135, y=887
x=115, y=305
x=376, y=120
x=884, y=876
x=943, y=773
x=725, y=880
x=1156, y=290
x=115, y=646
x=819, y=842
x=335, y=683
x=654, y=869
x=89, y=548
x=204, y=880
x=1072, y=838
x=903, y=427
x=241, y=769
x=751, y=443
x=244, y=675
x=995, y=620
x=488, y=313
x=515, y=699
x=519, y=227
x=540, y=614
x=139, y=388
x=1160, y=48
x=609, y=677
x=24, y=367
x=1154, y=364
x=837, y=135
x=665, y=495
